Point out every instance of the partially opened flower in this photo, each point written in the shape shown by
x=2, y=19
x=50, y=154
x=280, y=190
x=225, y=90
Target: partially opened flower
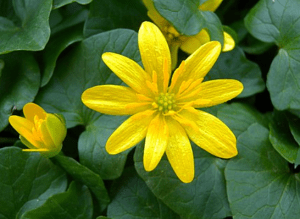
x=40, y=131
x=164, y=114
x=188, y=44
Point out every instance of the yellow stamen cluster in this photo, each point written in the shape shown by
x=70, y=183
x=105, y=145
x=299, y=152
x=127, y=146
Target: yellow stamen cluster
x=165, y=102
x=36, y=130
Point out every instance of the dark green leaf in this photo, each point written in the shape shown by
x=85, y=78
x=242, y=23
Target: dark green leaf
x=87, y=177
x=27, y=180
x=107, y=15
x=278, y=22
x=259, y=182
x=86, y=69
x=234, y=65
x=282, y=139
x=60, y=3
x=294, y=122
x=24, y=25
x=19, y=83
x=53, y=49
x=76, y=203
x=133, y=199
x=204, y=197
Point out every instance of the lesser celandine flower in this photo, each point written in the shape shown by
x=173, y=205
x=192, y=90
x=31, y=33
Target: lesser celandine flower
x=40, y=131
x=164, y=114
x=188, y=44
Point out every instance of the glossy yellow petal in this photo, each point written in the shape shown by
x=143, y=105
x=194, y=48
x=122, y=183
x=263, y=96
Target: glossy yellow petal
x=215, y=92
x=192, y=43
x=179, y=152
x=154, y=52
x=27, y=143
x=24, y=128
x=210, y=5
x=114, y=100
x=131, y=132
x=32, y=109
x=208, y=132
x=128, y=71
x=56, y=128
x=229, y=43
x=197, y=65
x=160, y=21
x=46, y=137
x=156, y=142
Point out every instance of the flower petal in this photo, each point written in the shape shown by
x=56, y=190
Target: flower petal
x=113, y=100
x=154, y=51
x=208, y=132
x=131, y=132
x=31, y=109
x=210, y=5
x=194, y=42
x=215, y=92
x=174, y=54
x=197, y=65
x=229, y=43
x=24, y=127
x=154, y=15
x=179, y=152
x=128, y=71
x=56, y=128
x=156, y=142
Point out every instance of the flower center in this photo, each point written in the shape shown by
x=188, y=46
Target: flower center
x=172, y=35
x=165, y=102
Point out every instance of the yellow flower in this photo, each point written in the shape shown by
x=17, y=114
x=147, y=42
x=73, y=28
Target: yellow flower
x=188, y=44
x=164, y=114
x=40, y=131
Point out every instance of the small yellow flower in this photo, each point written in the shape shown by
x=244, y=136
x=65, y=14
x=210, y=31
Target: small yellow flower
x=188, y=44
x=40, y=131
x=164, y=114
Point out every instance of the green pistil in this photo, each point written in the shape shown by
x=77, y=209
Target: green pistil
x=165, y=102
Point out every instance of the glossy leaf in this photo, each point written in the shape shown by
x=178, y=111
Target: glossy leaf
x=19, y=83
x=60, y=3
x=259, y=181
x=132, y=199
x=27, y=181
x=278, y=22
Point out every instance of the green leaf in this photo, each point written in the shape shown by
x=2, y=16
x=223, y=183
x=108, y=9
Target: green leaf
x=294, y=122
x=204, y=197
x=188, y=19
x=76, y=203
x=87, y=177
x=278, y=22
x=1, y=66
x=133, y=199
x=27, y=180
x=24, y=25
x=19, y=83
x=282, y=139
x=60, y=3
x=54, y=48
x=86, y=69
x=259, y=182
x=234, y=65
x=107, y=15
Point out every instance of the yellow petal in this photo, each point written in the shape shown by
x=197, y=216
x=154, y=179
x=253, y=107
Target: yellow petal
x=229, y=43
x=197, y=65
x=114, y=100
x=156, y=142
x=160, y=21
x=32, y=109
x=24, y=127
x=192, y=43
x=131, y=132
x=215, y=92
x=179, y=152
x=56, y=128
x=210, y=5
x=46, y=137
x=154, y=51
x=128, y=71
x=208, y=132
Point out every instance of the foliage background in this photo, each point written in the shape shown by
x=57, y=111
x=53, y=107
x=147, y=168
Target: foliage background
x=50, y=52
